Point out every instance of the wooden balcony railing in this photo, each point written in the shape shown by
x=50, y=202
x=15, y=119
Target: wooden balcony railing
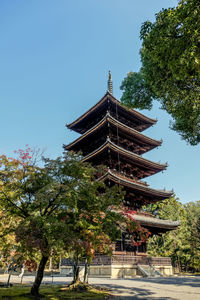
x=123, y=259
x=142, y=260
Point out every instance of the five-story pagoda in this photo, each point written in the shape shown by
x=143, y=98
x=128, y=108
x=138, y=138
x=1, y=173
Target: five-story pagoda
x=111, y=135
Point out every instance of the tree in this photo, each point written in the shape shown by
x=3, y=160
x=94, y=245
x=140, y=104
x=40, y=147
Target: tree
x=182, y=244
x=170, y=71
x=32, y=195
x=60, y=205
x=7, y=239
x=174, y=243
x=47, y=202
x=193, y=222
x=93, y=224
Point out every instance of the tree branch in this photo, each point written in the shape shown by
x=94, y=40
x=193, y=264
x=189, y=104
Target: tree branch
x=24, y=213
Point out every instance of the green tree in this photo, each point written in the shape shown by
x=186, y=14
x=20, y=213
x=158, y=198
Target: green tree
x=93, y=224
x=47, y=202
x=169, y=243
x=7, y=239
x=170, y=69
x=97, y=226
x=182, y=244
x=193, y=222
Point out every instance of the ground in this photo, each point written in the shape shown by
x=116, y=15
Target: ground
x=171, y=288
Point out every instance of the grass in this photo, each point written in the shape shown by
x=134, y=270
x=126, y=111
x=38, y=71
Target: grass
x=51, y=292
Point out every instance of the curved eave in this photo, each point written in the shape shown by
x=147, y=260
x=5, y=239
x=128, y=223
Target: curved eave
x=108, y=118
x=134, y=132
x=134, y=113
x=132, y=156
x=158, y=223
x=136, y=186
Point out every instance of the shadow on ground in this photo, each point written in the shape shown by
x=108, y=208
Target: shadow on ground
x=193, y=281
x=128, y=291
x=134, y=293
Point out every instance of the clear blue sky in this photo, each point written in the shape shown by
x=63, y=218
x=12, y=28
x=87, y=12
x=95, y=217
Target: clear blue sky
x=54, y=60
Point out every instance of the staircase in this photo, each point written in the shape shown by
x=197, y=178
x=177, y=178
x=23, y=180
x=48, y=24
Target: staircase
x=149, y=271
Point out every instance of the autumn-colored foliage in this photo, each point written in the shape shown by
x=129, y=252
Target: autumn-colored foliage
x=58, y=204
x=54, y=204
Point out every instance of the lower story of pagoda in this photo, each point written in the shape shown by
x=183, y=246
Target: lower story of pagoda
x=122, y=265
x=130, y=259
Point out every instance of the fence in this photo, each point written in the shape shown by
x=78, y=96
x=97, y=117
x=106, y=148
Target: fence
x=123, y=259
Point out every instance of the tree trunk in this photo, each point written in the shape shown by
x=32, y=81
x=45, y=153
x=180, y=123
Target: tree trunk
x=85, y=280
x=76, y=270
x=76, y=274
x=9, y=275
x=39, y=276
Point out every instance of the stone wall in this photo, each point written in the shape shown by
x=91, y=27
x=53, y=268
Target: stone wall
x=117, y=271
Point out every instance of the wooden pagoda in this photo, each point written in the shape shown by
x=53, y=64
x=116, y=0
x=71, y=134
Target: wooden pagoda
x=111, y=135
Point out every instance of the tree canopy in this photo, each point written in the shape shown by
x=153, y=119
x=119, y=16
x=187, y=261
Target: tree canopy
x=170, y=71
x=183, y=244
x=56, y=205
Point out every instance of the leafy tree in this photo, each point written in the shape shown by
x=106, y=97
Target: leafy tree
x=32, y=195
x=182, y=244
x=170, y=69
x=93, y=224
x=50, y=204
x=193, y=222
x=59, y=205
x=97, y=227
x=7, y=239
x=175, y=243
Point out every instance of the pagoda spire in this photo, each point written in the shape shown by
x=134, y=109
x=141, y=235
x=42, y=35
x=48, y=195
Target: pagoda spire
x=110, y=84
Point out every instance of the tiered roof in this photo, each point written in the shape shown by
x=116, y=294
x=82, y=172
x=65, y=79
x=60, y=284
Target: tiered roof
x=129, y=117
x=111, y=135
x=152, y=195
x=139, y=142
x=128, y=156
x=156, y=225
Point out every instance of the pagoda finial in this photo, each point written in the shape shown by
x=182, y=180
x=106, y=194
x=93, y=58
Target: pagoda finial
x=110, y=85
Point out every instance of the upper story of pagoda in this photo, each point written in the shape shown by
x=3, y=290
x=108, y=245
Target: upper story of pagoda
x=118, y=133
x=109, y=104
x=111, y=142
x=111, y=135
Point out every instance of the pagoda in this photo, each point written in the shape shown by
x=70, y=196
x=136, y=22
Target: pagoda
x=111, y=135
